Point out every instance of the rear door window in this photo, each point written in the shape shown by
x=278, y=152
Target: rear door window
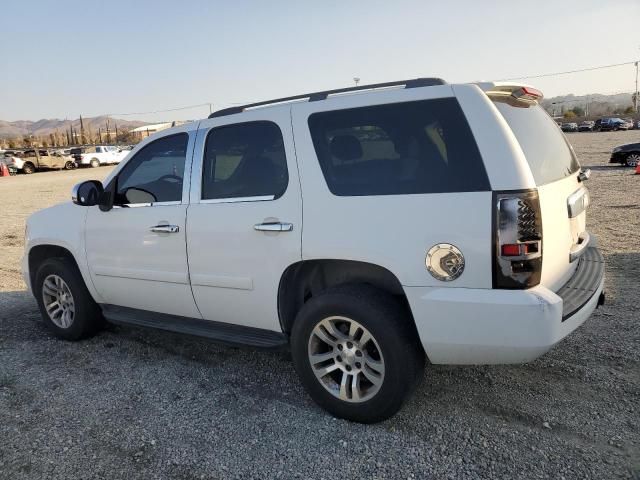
x=244, y=160
x=548, y=153
x=402, y=148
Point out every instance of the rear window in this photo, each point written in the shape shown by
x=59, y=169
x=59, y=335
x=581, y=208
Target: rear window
x=547, y=151
x=401, y=148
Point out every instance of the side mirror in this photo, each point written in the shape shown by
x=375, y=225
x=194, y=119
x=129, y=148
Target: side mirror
x=87, y=194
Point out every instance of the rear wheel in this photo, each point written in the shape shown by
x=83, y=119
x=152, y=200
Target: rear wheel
x=69, y=165
x=632, y=160
x=67, y=308
x=357, y=353
x=94, y=162
x=28, y=168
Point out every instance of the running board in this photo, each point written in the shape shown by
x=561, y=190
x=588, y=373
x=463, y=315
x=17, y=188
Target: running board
x=218, y=331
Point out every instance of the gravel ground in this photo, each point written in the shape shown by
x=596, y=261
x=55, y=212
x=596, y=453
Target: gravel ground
x=132, y=403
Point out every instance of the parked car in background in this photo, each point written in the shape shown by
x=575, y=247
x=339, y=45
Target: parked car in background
x=30, y=161
x=487, y=259
x=569, y=127
x=609, y=124
x=628, y=154
x=10, y=161
x=626, y=125
x=97, y=155
x=586, y=126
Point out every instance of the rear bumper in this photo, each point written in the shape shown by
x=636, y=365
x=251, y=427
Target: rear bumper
x=483, y=326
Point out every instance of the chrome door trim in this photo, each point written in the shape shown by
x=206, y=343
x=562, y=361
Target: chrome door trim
x=165, y=229
x=273, y=227
x=150, y=204
x=262, y=198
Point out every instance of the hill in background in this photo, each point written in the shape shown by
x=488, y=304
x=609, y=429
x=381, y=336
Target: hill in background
x=44, y=127
x=595, y=104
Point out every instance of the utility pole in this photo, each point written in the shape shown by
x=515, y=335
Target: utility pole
x=635, y=100
x=210, y=108
x=356, y=80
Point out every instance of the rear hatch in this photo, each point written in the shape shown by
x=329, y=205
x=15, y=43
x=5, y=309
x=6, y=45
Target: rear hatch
x=563, y=198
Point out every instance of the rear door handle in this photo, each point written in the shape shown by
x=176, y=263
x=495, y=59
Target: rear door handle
x=165, y=229
x=273, y=227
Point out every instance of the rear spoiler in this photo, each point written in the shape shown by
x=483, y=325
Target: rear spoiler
x=518, y=95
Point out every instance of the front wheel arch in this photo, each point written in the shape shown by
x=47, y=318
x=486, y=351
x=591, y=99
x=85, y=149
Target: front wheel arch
x=39, y=253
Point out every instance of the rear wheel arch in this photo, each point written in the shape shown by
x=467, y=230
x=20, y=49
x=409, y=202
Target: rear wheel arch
x=306, y=279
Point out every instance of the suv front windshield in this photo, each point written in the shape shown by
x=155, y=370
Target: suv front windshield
x=548, y=153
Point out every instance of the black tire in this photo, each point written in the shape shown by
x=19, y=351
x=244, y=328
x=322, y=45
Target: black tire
x=87, y=319
x=389, y=323
x=28, y=168
x=69, y=165
x=631, y=160
x=95, y=163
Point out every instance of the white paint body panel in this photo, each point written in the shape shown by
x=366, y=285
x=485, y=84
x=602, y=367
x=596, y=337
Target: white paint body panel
x=481, y=326
x=63, y=226
x=130, y=265
x=559, y=231
x=392, y=231
x=236, y=270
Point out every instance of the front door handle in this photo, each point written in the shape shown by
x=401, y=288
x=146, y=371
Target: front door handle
x=165, y=229
x=273, y=227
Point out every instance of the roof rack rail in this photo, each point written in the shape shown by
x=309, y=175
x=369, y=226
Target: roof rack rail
x=313, y=97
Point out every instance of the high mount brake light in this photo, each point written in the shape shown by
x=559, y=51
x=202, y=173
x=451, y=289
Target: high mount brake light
x=517, y=255
x=529, y=93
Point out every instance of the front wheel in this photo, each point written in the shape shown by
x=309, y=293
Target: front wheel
x=632, y=160
x=357, y=353
x=28, y=168
x=69, y=165
x=67, y=308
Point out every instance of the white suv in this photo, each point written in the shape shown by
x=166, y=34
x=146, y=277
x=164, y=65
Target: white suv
x=368, y=228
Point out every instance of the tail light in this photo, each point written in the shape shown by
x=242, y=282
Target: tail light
x=517, y=256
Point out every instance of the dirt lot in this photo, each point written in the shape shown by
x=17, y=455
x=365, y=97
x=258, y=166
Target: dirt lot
x=131, y=403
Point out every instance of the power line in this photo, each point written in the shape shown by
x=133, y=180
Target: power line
x=209, y=104
x=188, y=107
x=600, y=67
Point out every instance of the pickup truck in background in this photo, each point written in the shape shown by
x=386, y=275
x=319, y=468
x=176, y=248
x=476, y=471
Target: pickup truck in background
x=95, y=156
x=30, y=161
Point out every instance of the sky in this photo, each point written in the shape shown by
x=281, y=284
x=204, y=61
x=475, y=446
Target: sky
x=64, y=58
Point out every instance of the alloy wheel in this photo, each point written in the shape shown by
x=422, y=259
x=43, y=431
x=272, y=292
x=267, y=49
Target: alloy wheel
x=633, y=160
x=58, y=301
x=346, y=359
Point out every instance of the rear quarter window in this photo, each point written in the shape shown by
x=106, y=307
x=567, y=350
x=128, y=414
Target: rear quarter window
x=547, y=150
x=402, y=148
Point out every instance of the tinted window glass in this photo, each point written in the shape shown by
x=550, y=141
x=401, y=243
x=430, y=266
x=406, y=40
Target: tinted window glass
x=548, y=153
x=244, y=160
x=401, y=148
x=155, y=173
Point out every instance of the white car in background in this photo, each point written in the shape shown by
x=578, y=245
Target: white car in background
x=95, y=156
